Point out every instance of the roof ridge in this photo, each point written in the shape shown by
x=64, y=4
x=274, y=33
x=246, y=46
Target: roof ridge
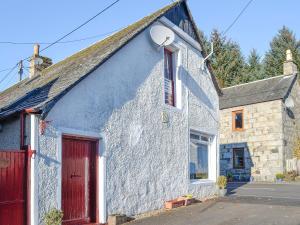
x=269, y=78
x=93, y=55
x=109, y=36
x=259, y=92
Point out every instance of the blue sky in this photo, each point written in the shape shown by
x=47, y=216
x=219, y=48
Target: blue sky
x=45, y=21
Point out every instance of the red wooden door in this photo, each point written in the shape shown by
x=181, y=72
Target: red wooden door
x=13, y=187
x=78, y=180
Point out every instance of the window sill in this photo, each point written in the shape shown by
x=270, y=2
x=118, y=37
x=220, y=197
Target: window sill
x=242, y=130
x=173, y=108
x=202, y=181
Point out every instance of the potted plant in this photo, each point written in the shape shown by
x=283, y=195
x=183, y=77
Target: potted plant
x=222, y=183
x=229, y=177
x=279, y=177
x=53, y=217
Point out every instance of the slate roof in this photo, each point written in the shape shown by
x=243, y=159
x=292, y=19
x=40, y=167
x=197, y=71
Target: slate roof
x=258, y=91
x=43, y=91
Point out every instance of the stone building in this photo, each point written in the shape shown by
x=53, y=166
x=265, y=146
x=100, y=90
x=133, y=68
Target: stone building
x=119, y=127
x=259, y=124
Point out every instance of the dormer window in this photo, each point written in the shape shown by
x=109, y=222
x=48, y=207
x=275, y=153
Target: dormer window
x=169, y=79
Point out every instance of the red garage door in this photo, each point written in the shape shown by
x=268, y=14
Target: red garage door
x=13, y=187
x=79, y=180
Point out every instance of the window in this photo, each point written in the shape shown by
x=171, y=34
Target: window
x=238, y=120
x=199, y=151
x=238, y=158
x=169, y=85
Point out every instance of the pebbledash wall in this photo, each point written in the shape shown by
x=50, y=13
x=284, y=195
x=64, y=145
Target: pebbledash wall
x=147, y=157
x=262, y=140
x=10, y=133
x=10, y=128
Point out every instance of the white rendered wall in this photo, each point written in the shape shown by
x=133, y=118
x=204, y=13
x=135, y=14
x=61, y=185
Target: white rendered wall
x=147, y=161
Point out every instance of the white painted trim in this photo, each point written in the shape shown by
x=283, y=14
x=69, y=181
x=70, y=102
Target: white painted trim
x=177, y=62
x=203, y=181
x=178, y=84
x=101, y=167
x=213, y=167
x=83, y=133
x=212, y=158
x=34, y=143
x=180, y=33
x=59, y=170
x=102, y=181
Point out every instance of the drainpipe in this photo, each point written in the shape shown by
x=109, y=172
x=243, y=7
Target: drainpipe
x=33, y=172
x=207, y=57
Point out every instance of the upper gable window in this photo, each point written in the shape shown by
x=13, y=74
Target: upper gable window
x=238, y=120
x=169, y=81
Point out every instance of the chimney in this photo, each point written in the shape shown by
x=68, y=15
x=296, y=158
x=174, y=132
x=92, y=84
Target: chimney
x=37, y=62
x=289, y=67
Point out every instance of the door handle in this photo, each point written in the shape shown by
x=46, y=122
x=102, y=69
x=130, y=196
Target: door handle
x=75, y=176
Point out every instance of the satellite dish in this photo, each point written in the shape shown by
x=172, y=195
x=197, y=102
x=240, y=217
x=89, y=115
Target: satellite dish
x=289, y=102
x=161, y=35
x=38, y=60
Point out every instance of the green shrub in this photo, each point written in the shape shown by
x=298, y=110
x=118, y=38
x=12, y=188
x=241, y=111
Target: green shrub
x=53, y=217
x=229, y=176
x=279, y=176
x=222, y=182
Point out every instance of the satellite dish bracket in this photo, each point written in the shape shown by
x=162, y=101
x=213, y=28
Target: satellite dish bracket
x=163, y=44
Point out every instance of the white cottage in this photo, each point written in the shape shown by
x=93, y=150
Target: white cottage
x=119, y=127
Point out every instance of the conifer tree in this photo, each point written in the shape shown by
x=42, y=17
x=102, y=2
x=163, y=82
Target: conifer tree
x=253, y=69
x=274, y=58
x=227, y=61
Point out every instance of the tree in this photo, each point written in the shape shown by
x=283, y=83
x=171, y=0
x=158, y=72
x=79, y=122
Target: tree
x=205, y=42
x=253, y=69
x=227, y=61
x=275, y=57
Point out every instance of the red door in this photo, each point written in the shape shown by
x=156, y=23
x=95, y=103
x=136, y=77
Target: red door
x=79, y=180
x=13, y=186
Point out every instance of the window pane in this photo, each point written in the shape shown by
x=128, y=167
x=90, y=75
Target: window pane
x=203, y=138
x=238, y=158
x=195, y=136
x=168, y=75
x=239, y=120
x=198, y=161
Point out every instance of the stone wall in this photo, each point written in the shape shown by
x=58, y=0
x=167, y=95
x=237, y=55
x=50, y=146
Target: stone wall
x=291, y=122
x=262, y=140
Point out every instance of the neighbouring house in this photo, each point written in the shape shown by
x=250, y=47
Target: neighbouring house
x=259, y=125
x=117, y=128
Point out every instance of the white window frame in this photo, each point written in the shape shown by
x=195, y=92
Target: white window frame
x=212, y=156
x=176, y=60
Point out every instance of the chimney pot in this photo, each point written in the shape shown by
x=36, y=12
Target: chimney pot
x=289, y=55
x=36, y=50
x=289, y=67
x=37, y=62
